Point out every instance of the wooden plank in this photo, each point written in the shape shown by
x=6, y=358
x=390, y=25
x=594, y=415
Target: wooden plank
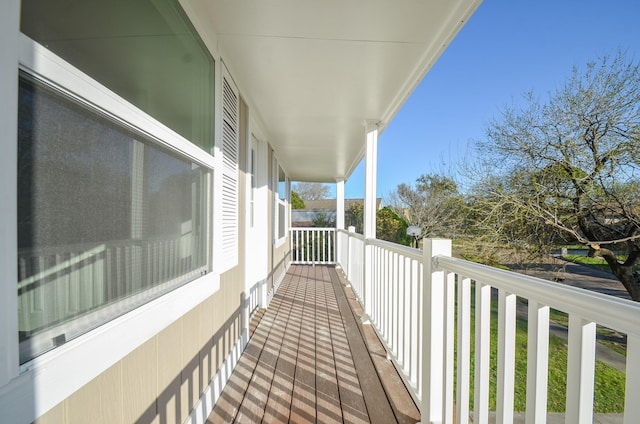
x=232, y=397
x=257, y=394
x=377, y=403
x=303, y=406
x=327, y=392
x=278, y=406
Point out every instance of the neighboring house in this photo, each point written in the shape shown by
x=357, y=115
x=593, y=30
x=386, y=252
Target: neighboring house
x=315, y=209
x=148, y=149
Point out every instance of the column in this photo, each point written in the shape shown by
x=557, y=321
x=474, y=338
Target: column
x=339, y=247
x=370, y=171
x=369, y=215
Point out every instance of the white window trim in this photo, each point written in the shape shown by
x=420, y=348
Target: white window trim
x=279, y=241
x=52, y=377
x=9, y=30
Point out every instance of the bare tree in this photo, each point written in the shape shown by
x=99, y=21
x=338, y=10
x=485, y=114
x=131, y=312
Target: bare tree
x=572, y=164
x=432, y=203
x=312, y=191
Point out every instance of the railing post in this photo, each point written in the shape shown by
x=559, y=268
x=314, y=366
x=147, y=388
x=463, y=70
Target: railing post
x=433, y=333
x=367, y=279
x=352, y=229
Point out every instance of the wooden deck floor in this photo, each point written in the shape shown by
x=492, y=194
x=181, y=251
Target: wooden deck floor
x=308, y=361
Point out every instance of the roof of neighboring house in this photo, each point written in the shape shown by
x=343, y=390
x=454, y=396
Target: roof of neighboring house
x=330, y=204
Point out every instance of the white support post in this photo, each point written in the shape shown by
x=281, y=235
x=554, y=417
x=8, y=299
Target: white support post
x=433, y=334
x=339, y=219
x=581, y=360
x=370, y=169
x=340, y=205
x=9, y=30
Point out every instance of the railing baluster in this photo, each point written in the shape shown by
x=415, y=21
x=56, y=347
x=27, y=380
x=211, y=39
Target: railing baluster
x=537, y=362
x=464, y=350
x=403, y=306
x=580, y=370
x=449, y=323
x=415, y=284
x=506, y=356
x=481, y=363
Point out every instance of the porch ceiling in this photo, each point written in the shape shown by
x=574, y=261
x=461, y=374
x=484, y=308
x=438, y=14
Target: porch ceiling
x=314, y=71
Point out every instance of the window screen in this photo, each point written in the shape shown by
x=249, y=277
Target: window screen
x=107, y=219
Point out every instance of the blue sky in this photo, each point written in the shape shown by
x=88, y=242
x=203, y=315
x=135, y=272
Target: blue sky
x=507, y=48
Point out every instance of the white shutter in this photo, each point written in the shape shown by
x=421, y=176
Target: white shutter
x=230, y=150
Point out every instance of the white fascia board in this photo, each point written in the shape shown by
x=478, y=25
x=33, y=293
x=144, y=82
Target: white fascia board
x=456, y=20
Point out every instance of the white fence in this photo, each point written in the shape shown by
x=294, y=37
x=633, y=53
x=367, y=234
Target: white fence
x=416, y=299
x=313, y=245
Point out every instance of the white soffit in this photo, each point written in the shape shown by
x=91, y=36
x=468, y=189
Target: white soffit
x=314, y=71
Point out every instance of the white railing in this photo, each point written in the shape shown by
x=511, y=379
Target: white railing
x=313, y=245
x=415, y=299
x=351, y=253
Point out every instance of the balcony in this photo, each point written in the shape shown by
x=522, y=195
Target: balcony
x=301, y=364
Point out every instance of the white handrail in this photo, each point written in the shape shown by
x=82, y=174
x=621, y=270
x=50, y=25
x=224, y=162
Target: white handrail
x=413, y=310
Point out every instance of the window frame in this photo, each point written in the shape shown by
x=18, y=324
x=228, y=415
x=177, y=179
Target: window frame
x=278, y=202
x=48, y=373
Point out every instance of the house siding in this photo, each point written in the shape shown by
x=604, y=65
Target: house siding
x=162, y=380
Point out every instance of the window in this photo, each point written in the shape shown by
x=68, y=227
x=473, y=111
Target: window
x=111, y=214
x=254, y=185
x=107, y=219
x=146, y=51
x=281, y=197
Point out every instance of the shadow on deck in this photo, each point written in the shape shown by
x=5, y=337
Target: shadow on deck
x=310, y=359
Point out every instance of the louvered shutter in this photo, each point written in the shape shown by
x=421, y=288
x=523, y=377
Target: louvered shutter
x=230, y=149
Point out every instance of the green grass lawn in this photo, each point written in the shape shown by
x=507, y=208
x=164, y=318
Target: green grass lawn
x=609, y=384
x=612, y=339
x=596, y=262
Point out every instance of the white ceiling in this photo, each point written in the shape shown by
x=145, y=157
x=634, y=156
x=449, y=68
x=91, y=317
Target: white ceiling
x=314, y=71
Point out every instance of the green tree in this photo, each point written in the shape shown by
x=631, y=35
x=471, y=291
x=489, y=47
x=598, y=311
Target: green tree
x=391, y=227
x=321, y=221
x=570, y=165
x=296, y=201
x=354, y=216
